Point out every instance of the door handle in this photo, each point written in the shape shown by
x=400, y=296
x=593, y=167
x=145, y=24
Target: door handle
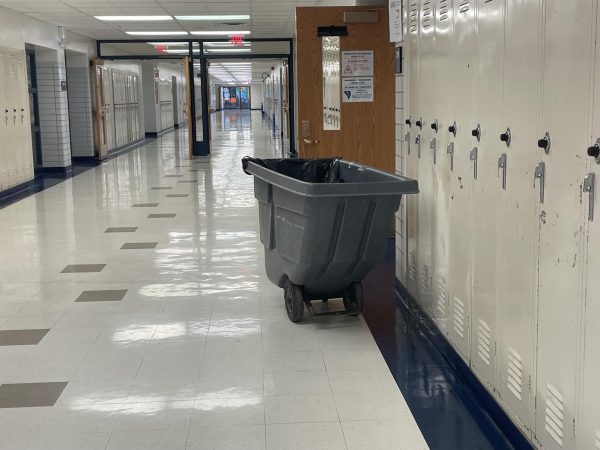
x=540, y=174
x=502, y=166
x=450, y=151
x=308, y=141
x=473, y=157
x=589, y=186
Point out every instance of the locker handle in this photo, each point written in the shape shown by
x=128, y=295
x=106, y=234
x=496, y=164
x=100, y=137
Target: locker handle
x=419, y=123
x=408, y=122
x=506, y=137
x=473, y=157
x=594, y=151
x=407, y=140
x=502, y=166
x=433, y=146
x=418, y=143
x=477, y=132
x=589, y=187
x=435, y=125
x=450, y=151
x=452, y=129
x=540, y=173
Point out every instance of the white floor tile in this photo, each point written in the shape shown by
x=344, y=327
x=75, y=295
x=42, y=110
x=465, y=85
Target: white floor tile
x=300, y=408
x=293, y=361
x=249, y=437
x=210, y=411
x=148, y=440
x=297, y=383
x=384, y=435
x=302, y=436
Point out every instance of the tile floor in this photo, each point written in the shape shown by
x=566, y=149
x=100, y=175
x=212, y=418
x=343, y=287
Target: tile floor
x=180, y=345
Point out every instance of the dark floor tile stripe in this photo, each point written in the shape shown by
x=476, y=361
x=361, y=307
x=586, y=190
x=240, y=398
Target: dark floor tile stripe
x=22, y=337
x=83, y=268
x=121, y=229
x=138, y=245
x=161, y=216
x=30, y=395
x=107, y=295
x=145, y=205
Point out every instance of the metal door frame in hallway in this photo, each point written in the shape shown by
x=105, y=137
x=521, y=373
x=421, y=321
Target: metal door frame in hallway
x=196, y=52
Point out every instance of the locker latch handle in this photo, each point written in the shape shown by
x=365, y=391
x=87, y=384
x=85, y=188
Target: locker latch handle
x=435, y=125
x=502, y=166
x=594, y=151
x=433, y=146
x=589, y=186
x=545, y=142
x=452, y=129
x=473, y=157
x=408, y=122
x=407, y=140
x=450, y=151
x=506, y=137
x=540, y=174
x=477, y=132
x=418, y=143
x=419, y=123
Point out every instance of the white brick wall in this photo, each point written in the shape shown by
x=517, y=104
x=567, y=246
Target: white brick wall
x=400, y=216
x=54, y=115
x=80, y=111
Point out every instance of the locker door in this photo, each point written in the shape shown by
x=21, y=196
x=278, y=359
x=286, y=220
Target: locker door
x=485, y=194
x=412, y=201
x=4, y=124
x=588, y=434
x=441, y=168
x=25, y=121
x=108, y=108
x=518, y=217
x=566, y=70
x=425, y=154
x=463, y=76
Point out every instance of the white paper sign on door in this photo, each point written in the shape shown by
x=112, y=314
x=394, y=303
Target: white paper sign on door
x=395, y=16
x=357, y=64
x=357, y=89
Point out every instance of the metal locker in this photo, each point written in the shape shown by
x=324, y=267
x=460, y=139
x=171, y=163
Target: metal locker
x=411, y=145
x=565, y=116
x=424, y=151
x=444, y=25
x=519, y=205
x=588, y=434
x=462, y=75
x=486, y=188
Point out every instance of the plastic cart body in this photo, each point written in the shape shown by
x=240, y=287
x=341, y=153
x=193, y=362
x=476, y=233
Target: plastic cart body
x=322, y=238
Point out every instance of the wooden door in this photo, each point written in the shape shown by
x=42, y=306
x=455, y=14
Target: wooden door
x=366, y=133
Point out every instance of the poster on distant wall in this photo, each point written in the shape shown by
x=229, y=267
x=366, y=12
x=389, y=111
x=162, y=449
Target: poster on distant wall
x=357, y=89
x=395, y=16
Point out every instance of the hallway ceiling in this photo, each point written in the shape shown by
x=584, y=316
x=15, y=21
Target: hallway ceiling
x=268, y=18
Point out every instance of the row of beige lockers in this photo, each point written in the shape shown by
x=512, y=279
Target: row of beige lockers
x=502, y=105
x=16, y=157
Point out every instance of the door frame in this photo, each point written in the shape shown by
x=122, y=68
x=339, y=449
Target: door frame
x=196, y=53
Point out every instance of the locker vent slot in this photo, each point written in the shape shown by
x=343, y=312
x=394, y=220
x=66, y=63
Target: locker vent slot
x=426, y=282
x=464, y=6
x=484, y=345
x=515, y=373
x=597, y=445
x=442, y=298
x=444, y=10
x=459, y=317
x=412, y=16
x=412, y=266
x=427, y=14
x=555, y=414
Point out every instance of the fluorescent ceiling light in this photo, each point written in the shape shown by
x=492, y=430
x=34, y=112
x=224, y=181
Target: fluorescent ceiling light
x=228, y=50
x=176, y=50
x=157, y=33
x=133, y=18
x=224, y=44
x=220, y=33
x=217, y=17
x=170, y=44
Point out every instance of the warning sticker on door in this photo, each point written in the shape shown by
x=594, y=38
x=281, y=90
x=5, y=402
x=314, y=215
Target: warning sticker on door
x=357, y=64
x=357, y=89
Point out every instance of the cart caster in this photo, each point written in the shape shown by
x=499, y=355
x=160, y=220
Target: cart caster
x=294, y=301
x=353, y=300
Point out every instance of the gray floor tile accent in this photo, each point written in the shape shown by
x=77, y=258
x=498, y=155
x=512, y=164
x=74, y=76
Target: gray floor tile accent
x=161, y=216
x=138, y=245
x=160, y=188
x=145, y=205
x=110, y=295
x=21, y=337
x=28, y=395
x=121, y=229
x=173, y=176
x=83, y=268
x=177, y=195
x=187, y=181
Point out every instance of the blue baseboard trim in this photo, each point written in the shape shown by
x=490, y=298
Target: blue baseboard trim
x=126, y=148
x=464, y=373
x=63, y=171
x=15, y=191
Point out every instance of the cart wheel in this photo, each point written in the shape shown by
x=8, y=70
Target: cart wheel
x=294, y=301
x=353, y=300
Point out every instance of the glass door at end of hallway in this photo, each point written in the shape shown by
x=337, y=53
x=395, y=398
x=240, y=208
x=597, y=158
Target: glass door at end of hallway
x=235, y=97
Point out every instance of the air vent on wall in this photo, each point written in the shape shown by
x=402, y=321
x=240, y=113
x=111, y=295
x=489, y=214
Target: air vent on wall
x=555, y=414
x=426, y=281
x=442, y=298
x=412, y=16
x=412, y=266
x=484, y=342
x=427, y=14
x=444, y=10
x=459, y=317
x=464, y=6
x=515, y=373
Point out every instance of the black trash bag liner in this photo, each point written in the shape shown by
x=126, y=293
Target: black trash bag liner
x=323, y=170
